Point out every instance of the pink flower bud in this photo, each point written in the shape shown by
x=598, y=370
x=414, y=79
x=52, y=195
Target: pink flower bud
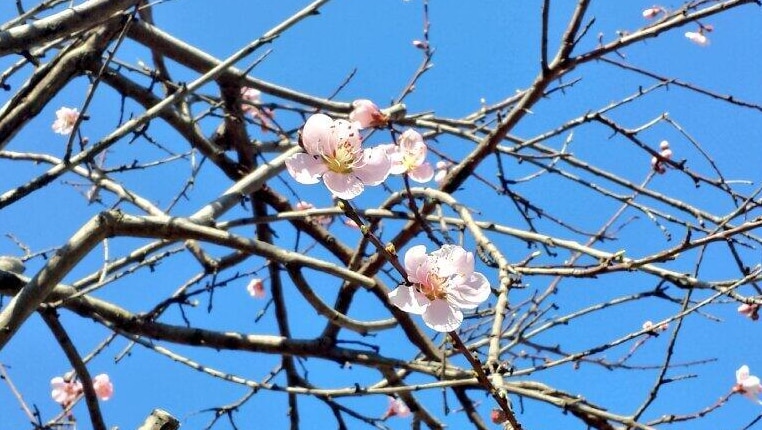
x=366, y=114
x=256, y=288
x=652, y=12
x=103, y=387
x=697, y=37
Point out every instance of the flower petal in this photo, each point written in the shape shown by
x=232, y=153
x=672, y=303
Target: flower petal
x=375, y=166
x=409, y=300
x=414, y=258
x=452, y=259
x=316, y=133
x=343, y=186
x=442, y=317
x=742, y=373
x=422, y=173
x=471, y=293
x=306, y=168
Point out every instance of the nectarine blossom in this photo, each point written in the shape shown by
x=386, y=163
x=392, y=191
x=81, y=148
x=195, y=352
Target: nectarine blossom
x=652, y=12
x=665, y=153
x=748, y=385
x=442, y=283
x=334, y=152
x=443, y=167
x=366, y=114
x=65, y=392
x=103, y=387
x=65, y=119
x=256, y=288
x=750, y=310
x=396, y=408
x=409, y=156
x=253, y=97
x=698, y=38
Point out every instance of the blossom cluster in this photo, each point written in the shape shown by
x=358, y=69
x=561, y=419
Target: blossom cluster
x=333, y=153
x=66, y=391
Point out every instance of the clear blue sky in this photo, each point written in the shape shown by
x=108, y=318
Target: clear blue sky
x=485, y=49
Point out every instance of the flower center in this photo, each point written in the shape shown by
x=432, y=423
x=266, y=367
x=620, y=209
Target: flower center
x=434, y=287
x=343, y=158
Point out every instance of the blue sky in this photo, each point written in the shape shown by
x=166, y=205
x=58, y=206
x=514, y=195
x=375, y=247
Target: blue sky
x=485, y=49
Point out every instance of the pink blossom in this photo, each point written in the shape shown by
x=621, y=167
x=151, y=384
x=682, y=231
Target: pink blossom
x=665, y=153
x=653, y=12
x=443, y=167
x=65, y=119
x=498, y=416
x=366, y=114
x=256, y=288
x=697, y=37
x=396, y=408
x=252, y=97
x=747, y=384
x=443, y=283
x=334, y=152
x=320, y=219
x=103, y=387
x=409, y=156
x=749, y=310
x=64, y=392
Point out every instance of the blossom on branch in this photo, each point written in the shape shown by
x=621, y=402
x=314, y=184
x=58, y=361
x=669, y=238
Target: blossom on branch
x=65, y=120
x=408, y=156
x=699, y=38
x=396, y=408
x=65, y=392
x=665, y=153
x=749, y=310
x=366, y=114
x=103, y=387
x=442, y=283
x=334, y=153
x=653, y=12
x=443, y=168
x=256, y=288
x=748, y=385
x=648, y=325
x=252, y=97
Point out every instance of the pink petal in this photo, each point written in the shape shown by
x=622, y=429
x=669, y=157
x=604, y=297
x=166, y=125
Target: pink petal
x=471, y=293
x=103, y=387
x=375, y=166
x=306, y=168
x=422, y=173
x=452, y=259
x=442, y=317
x=412, y=145
x=316, y=133
x=344, y=131
x=751, y=384
x=396, y=157
x=415, y=257
x=742, y=373
x=343, y=186
x=409, y=300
